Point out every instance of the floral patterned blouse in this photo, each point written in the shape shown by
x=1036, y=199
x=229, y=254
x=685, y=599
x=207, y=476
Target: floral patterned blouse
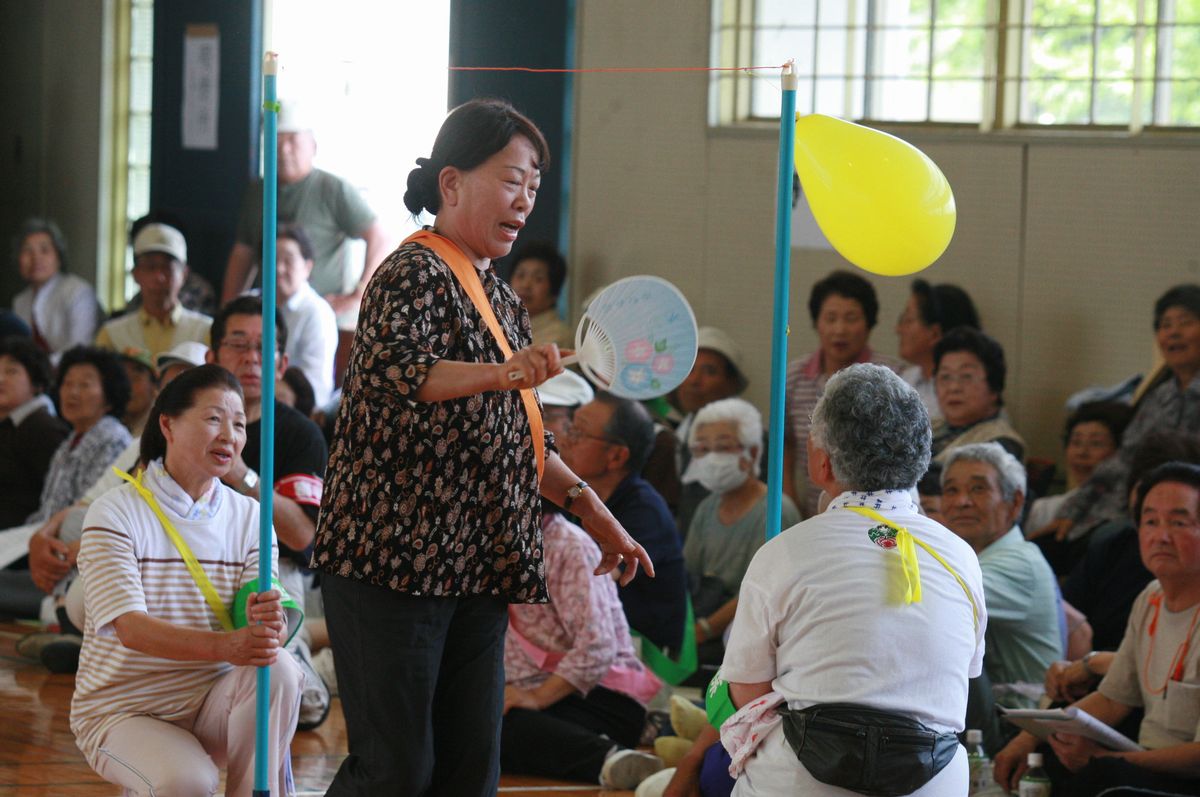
x=584, y=619
x=431, y=498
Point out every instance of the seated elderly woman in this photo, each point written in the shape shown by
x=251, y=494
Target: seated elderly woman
x=166, y=687
x=1092, y=435
x=1170, y=406
x=729, y=526
x=60, y=308
x=931, y=312
x=575, y=692
x=718, y=373
x=844, y=309
x=869, y=604
x=969, y=371
x=537, y=277
x=93, y=390
x=30, y=432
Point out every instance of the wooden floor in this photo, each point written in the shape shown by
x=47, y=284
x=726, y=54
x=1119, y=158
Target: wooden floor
x=38, y=757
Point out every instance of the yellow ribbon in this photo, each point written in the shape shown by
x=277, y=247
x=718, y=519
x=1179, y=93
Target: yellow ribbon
x=906, y=546
x=189, y=558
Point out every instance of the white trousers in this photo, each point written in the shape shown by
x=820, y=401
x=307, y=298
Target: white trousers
x=154, y=758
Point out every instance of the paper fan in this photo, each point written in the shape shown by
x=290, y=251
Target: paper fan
x=637, y=338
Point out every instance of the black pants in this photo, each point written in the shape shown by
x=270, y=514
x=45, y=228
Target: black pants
x=422, y=688
x=570, y=739
x=1113, y=777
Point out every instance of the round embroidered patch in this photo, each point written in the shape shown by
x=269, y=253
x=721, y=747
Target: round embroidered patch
x=883, y=536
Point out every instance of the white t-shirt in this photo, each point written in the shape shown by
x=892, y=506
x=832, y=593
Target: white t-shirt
x=925, y=389
x=130, y=564
x=312, y=339
x=821, y=617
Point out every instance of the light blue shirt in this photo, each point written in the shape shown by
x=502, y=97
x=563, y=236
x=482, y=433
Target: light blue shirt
x=1022, y=636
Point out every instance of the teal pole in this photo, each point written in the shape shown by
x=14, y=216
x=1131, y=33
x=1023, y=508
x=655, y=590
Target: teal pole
x=779, y=333
x=266, y=459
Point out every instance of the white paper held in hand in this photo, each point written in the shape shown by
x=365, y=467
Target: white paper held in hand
x=1043, y=722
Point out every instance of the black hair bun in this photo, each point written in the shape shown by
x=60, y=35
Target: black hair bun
x=422, y=193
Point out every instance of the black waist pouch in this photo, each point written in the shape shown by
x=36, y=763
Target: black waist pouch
x=866, y=750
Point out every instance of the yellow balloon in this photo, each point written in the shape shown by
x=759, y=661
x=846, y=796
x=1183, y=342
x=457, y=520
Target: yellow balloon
x=882, y=203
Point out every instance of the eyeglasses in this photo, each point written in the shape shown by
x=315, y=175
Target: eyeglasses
x=243, y=347
x=966, y=378
x=574, y=434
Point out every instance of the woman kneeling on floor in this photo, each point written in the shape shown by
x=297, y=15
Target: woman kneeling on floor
x=166, y=687
x=575, y=692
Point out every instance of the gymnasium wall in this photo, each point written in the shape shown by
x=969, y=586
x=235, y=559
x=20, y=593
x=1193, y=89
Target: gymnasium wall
x=1063, y=240
x=53, y=124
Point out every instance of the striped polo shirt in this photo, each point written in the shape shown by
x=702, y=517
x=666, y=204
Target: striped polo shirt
x=130, y=565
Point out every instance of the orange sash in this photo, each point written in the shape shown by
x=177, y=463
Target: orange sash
x=468, y=277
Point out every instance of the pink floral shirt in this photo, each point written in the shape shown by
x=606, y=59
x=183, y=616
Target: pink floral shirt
x=584, y=619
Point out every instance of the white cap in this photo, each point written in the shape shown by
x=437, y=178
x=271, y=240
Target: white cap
x=160, y=238
x=294, y=117
x=568, y=389
x=190, y=352
x=974, y=736
x=1034, y=760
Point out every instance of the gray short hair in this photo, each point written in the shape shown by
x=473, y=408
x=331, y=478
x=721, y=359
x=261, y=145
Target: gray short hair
x=35, y=225
x=742, y=414
x=1009, y=470
x=874, y=427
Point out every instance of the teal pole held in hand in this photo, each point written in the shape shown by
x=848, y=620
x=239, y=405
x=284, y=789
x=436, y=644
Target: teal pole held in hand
x=266, y=459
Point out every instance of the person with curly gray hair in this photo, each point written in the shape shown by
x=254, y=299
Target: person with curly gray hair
x=870, y=606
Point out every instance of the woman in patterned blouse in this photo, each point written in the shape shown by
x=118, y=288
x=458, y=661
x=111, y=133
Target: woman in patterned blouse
x=430, y=520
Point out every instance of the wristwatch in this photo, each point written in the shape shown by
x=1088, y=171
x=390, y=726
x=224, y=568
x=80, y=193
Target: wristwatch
x=249, y=482
x=1086, y=661
x=573, y=492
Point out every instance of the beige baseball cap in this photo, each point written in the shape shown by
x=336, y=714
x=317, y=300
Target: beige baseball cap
x=160, y=238
x=189, y=351
x=719, y=341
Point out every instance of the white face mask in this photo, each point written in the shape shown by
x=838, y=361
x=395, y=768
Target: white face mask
x=718, y=473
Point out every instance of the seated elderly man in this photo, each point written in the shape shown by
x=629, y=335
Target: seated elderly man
x=869, y=603
x=1157, y=666
x=983, y=493
x=606, y=445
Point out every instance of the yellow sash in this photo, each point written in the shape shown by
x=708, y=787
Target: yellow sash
x=189, y=558
x=906, y=546
x=468, y=277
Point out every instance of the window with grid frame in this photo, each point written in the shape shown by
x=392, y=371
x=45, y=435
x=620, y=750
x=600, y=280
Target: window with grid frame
x=990, y=63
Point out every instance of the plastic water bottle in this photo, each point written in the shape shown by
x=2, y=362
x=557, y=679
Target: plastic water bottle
x=980, y=764
x=1035, y=782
